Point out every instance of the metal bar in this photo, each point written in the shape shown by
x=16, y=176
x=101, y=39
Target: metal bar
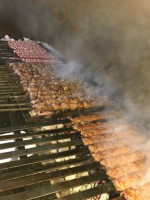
x=13, y=97
x=11, y=93
x=18, y=140
x=6, y=74
x=4, y=42
x=38, y=133
x=11, y=90
x=15, y=109
x=4, y=82
x=13, y=61
x=4, y=48
x=40, y=192
x=39, y=149
x=3, y=77
x=12, y=80
x=4, y=86
x=14, y=100
x=39, y=140
x=48, y=167
x=58, y=130
x=12, y=58
x=8, y=59
x=42, y=177
x=6, y=70
x=84, y=195
x=17, y=104
x=4, y=66
x=9, y=53
x=28, y=126
x=14, y=90
x=38, y=159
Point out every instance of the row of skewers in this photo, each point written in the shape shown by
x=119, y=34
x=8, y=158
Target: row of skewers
x=110, y=144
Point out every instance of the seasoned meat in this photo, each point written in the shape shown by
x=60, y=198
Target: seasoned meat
x=94, y=117
x=95, y=139
x=122, y=159
x=116, y=151
x=31, y=52
x=94, y=131
x=102, y=146
x=44, y=86
x=129, y=180
x=87, y=126
x=141, y=193
x=126, y=169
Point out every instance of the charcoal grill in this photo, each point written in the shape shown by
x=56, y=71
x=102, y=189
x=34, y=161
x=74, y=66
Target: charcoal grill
x=56, y=163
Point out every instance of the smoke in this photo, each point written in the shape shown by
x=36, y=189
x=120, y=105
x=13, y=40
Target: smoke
x=108, y=42
x=112, y=46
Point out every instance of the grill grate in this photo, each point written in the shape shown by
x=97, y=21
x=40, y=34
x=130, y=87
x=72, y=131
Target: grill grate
x=7, y=54
x=11, y=92
x=43, y=158
x=56, y=154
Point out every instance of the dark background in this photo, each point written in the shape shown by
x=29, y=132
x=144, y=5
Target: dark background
x=108, y=40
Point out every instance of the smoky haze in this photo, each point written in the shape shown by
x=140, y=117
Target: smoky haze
x=109, y=39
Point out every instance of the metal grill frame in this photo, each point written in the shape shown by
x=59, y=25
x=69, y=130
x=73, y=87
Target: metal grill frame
x=27, y=178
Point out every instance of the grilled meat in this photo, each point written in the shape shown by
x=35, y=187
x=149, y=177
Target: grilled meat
x=100, y=155
x=49, y=93
x=129, y=180
x=126, y=169
x=122, y=159
x=138, y=193
x=94, y=117
x=31, y=52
